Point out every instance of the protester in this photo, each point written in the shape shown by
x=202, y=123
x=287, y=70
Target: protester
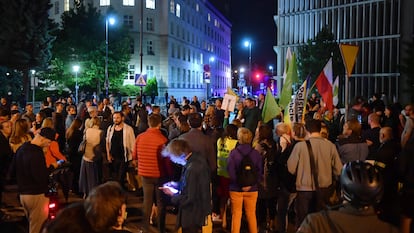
x=362, y=187
x=32, y=178
x=241, y=195
x=192, y=195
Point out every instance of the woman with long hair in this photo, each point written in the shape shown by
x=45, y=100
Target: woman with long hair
x=226, y=143
x=73, y=138
x=52, y=152
x=89, y=170
x=20, y=134
x=268, y=189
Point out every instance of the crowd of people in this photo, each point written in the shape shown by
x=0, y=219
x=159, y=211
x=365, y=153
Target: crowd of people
x=190, y=158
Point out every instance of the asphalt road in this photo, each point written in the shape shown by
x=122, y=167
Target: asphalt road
x=14, y=220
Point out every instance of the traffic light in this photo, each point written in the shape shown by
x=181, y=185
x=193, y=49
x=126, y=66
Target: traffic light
x=258, y=76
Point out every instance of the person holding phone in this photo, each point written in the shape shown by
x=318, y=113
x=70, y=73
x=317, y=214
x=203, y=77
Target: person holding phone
x=193, y=195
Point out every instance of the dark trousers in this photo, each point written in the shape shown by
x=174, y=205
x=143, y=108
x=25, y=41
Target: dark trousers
x=150, y=189
x=282, y=208
x=191, y=229
x=118, y=169
x=305, y=204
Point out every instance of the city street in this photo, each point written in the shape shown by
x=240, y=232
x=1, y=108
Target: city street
x=14, y=220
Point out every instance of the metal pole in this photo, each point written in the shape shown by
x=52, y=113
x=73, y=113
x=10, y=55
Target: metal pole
x=250, y=68
x=141, y=35
x=106, y=58
x=33, y=88
x=346, y=96
x=76, y=87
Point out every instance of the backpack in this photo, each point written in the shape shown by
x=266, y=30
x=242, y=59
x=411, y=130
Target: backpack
x=246, y=173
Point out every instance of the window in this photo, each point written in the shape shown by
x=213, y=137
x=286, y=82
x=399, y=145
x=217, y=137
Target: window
x=128, y=21
x=104, y=2
x=150, y=50
x=128, y=2
x=197, y=7
x=150, y=4
x=208, y=17
x=66, y=5
x=178, y=10
x=150, y=24
x=131, y=47
x=172, y=6
x=131, y=72
x=56, y=8
x=172, y=50
x=150, y=71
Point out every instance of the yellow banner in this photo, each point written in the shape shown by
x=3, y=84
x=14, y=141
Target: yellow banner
x=349, y=54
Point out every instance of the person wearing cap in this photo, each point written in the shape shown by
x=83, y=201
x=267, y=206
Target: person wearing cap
x=362, y=187
x=32, y=178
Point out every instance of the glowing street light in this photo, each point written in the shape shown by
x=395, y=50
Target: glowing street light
x=248, y=44
x=32, y=72
x=76, y=70
x=111, y=21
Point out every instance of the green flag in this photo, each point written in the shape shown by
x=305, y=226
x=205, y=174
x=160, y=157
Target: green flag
x=270, y=108
x=290, y=78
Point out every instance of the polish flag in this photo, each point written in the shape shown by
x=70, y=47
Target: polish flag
x=324, y=85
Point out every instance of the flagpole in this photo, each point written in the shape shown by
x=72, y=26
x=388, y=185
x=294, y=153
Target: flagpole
x=346, y=96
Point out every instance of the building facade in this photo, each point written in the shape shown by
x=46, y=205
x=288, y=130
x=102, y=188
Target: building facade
x=185, y=44
x=379, y=27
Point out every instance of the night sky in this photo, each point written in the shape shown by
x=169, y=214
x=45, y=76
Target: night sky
x=251, y=19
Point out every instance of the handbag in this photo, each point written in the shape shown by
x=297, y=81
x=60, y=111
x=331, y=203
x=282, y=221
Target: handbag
x=82, y=146
x=324, y=196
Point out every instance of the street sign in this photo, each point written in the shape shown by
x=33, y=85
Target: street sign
x=140, y=80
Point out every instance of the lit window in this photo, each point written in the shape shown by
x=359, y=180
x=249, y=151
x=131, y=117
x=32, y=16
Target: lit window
x=66, y=7
x=150, y=4
x=150, y=71
x=178, y=10
x=172, y=6
x=208, y=17
x=104, y=2
x=197, y=7
x=128, y=2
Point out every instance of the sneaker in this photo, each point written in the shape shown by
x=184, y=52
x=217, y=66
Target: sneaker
x=216, y=217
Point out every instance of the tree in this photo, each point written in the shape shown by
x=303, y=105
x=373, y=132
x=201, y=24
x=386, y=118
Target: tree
x=82, y=41
x=313, y=56
x=151, y=87
x=25, y=36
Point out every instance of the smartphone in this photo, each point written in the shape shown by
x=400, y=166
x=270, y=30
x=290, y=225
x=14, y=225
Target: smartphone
x=173, y=190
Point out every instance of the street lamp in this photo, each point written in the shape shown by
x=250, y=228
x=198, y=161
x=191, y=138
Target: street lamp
x=108, y=20
x=76, y=70
x=209, y=84
x=271, y=70
x=33, y=81
x=248, y=44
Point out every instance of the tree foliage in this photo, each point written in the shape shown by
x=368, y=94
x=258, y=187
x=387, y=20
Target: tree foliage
x=25, y=36
x=81, y=41
x=313, y=56
x=152, y=87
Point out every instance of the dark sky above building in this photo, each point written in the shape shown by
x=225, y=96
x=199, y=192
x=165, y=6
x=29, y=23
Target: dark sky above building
x=253, y=20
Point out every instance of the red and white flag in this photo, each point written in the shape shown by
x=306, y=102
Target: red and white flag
x=324, y=85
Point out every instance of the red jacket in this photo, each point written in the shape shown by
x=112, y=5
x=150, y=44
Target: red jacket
x=148, y=147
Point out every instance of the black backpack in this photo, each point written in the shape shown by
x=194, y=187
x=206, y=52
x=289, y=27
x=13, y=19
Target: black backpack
x=246, y=172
